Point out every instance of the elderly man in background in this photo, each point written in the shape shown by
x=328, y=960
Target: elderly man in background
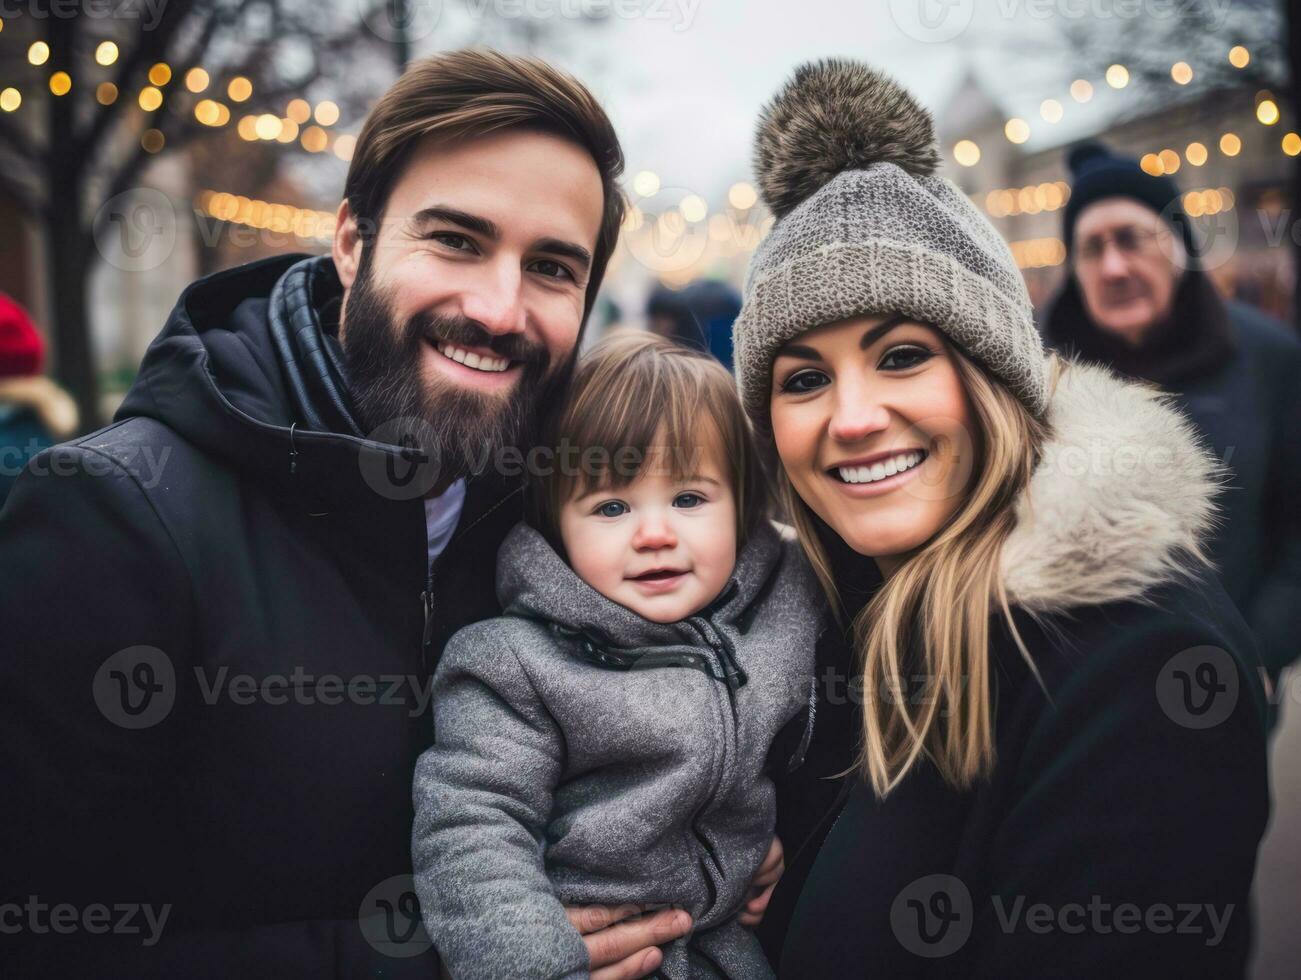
x=1138, y=299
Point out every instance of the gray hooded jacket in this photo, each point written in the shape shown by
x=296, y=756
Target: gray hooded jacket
x=585, y=755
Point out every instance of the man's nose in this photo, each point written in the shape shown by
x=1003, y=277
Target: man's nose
x=496, y=302
x=1113, y=265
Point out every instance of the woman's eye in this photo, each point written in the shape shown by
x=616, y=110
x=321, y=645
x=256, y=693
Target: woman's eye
x=612, y=508
x=802, y=381
x=903, y=357
x=457, y=243
x=552, y=270
x=688, y=500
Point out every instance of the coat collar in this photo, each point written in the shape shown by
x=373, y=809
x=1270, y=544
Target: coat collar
x=1120, y=501
x=535, y=582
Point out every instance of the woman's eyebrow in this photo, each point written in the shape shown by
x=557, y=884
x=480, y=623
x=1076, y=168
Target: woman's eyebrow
x=805, y=353
x=882, y=328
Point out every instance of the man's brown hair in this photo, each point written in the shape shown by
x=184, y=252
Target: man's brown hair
x=636, y=401
x=469, y=93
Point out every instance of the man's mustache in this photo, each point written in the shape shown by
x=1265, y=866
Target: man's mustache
x=464, y=332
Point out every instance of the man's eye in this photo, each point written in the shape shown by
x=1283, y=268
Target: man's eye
x=903, y=357
x=688, y=500
x=552, y=270
x=612, y=508
x=803, y=381
x=458, y=243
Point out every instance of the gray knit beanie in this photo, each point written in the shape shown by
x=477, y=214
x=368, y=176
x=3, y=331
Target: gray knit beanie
x=846, y=160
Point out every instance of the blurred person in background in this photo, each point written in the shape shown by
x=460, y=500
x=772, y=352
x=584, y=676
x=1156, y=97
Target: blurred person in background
x=35, y=413
x=1138, y=299
x=699, y=316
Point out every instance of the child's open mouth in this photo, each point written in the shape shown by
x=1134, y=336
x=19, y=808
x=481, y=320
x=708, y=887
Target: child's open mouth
x=658, y=575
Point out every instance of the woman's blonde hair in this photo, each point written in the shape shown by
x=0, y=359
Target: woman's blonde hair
x=931, y=618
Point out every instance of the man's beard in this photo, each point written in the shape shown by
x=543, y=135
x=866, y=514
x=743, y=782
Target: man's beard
x=461, y=429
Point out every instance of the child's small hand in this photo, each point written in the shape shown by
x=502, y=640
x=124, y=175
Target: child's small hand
x=761, y=886
x=626, y=950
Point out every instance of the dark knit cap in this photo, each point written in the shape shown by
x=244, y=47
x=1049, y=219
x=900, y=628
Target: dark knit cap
x=1097, y=174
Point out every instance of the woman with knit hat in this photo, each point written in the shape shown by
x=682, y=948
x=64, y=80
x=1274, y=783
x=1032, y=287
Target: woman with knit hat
x=1047, y=711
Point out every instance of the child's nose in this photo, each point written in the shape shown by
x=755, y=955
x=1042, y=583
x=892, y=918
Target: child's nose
x=653, y=534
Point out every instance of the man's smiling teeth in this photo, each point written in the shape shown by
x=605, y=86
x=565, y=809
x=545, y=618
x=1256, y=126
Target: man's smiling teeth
x=480, y=362
x=879, y=471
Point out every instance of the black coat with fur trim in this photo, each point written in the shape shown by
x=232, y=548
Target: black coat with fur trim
x=1117, y=835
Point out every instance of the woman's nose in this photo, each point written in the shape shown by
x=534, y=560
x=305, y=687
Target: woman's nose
x=856, y=416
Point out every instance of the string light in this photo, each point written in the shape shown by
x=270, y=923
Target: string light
x=10, y=99
x=693, y=208
x=1051, y=110
x=1239, y=57
x=742, y=196
x=646, y=183
x=1230, y=144
x=239, y=89
x=327, y=113
x=60, y=83
x=150, y=98
x=106, y=53
x=196, y=80
x=1117, y=76
x=967, y=153
x=1181, y=72
x=1081, y=90
x=38, y=53
x=1195, y=154
x=1017, y=130
x=160, y=74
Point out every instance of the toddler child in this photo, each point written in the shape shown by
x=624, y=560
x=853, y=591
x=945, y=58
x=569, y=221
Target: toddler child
x=607, y=739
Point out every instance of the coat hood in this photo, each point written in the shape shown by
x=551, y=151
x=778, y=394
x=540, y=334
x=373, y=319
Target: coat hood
x=1119, y=503
x=533, y=581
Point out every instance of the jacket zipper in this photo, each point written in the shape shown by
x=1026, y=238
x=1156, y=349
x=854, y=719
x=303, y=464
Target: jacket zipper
x=427, y=632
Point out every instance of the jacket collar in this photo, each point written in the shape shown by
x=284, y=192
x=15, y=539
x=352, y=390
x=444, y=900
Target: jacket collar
x=266, y=399
x=535, y=582
x=1119, y=503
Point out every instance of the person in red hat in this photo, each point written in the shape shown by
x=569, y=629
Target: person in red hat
x=34, y=411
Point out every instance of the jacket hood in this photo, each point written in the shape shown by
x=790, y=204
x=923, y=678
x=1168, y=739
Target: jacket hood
x=222, y=376
x=533, y=581
x=1119, y=503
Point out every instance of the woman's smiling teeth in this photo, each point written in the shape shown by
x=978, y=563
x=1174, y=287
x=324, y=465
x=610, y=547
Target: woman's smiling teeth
x=480, y=362
x=880, y=470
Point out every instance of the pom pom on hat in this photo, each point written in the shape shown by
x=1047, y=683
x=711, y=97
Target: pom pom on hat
x=837, y=115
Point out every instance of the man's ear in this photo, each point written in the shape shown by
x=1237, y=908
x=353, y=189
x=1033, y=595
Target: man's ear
x=347, y=245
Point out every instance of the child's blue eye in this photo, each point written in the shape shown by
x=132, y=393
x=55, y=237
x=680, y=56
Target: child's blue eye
x=688, y=500
x=612, y=508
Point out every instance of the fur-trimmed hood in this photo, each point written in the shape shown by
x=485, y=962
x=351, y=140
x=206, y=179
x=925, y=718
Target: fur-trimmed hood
x=1119, y=503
